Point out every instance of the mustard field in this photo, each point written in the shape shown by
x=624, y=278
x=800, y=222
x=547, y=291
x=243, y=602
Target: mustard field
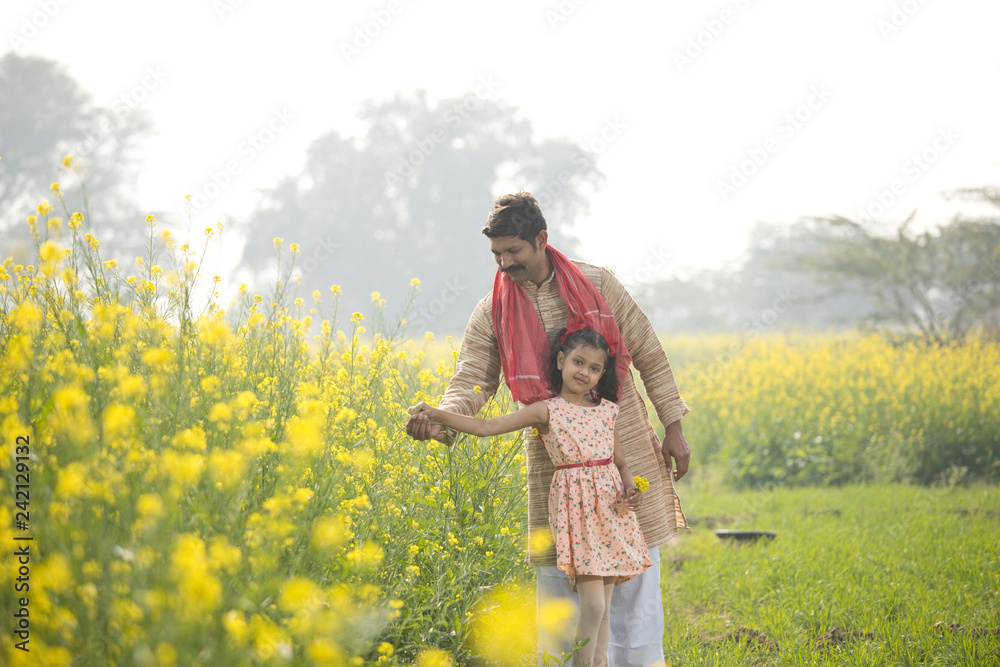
x=190, y=483
x=842, y=408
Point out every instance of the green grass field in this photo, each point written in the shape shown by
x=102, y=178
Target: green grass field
x=857, y=575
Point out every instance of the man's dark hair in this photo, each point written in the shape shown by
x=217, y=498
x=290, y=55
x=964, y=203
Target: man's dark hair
x=515, y=214
x=607, y=386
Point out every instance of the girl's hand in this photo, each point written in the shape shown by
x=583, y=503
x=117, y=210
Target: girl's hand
x=420, y=427
x=419, y=407
x=633, y=498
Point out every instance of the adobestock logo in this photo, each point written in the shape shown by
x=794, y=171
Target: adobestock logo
x=223, y=7
x=987, y=274
x=899, y=17
x=712, y=29
x=32, y=25
x=422, y=149
x=120, y=108
x=562, y=12
x=320, y=252
x=914, y=167
x=427, y=315
x=610, y=133
x=248, y=151
x=751, y=330
x=656, y=262
x=139, y=92
x=787, y=126
x=370, y=30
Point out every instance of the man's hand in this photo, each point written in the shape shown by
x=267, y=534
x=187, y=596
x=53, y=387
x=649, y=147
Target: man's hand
x=420, y=427
x=675, y=450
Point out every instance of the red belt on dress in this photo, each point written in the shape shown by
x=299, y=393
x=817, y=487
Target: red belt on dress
x=586, y=464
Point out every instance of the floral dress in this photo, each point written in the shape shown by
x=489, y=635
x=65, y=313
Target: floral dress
x=595, y=531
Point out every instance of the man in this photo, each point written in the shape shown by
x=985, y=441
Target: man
x=519, y=240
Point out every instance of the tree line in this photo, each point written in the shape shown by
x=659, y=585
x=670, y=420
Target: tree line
x=833, y=272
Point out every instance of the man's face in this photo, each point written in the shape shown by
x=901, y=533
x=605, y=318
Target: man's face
x=519, y=260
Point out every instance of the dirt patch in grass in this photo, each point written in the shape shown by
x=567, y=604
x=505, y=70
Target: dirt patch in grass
x=957, y=629
x=838, y=636
x=675, y=562
x=976, y=511
x=751, y=639
x=743, y=636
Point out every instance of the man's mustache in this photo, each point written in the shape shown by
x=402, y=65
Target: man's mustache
x=517, y=267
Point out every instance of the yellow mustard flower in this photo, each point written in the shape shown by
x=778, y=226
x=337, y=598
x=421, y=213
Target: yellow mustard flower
x=299, y=595
x=434, y=657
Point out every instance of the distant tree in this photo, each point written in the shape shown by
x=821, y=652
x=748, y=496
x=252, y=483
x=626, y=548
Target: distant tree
x=939, y=282
x=760, y=292
x=408, y=198
x=989, y=194
x=825, y=272
x=44, y=116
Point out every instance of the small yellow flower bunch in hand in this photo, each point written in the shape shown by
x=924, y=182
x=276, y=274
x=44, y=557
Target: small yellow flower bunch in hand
x=641, y=483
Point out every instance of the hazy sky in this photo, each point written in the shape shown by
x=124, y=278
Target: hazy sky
x=707, y=116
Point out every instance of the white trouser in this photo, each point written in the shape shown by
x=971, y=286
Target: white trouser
x=636, y=616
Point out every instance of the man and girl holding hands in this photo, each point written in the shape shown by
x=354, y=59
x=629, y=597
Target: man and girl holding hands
x=564, y=335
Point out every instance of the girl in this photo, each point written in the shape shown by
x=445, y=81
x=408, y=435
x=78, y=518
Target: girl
x=591, y=503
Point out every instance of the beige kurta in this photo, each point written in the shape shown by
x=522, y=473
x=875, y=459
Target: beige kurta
x=660, y=513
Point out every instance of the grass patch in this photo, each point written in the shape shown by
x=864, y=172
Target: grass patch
x=858, y=575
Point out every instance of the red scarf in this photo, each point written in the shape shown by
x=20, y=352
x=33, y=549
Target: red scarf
x=523, y=345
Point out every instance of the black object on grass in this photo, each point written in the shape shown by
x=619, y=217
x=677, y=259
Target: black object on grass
x=745, y=535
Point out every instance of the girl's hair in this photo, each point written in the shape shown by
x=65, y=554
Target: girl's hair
x=607, y=386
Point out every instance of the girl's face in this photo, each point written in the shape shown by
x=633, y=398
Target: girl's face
x=581, y=368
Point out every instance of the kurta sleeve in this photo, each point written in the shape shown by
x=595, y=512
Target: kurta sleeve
x=647, y=352
x=478, y=366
